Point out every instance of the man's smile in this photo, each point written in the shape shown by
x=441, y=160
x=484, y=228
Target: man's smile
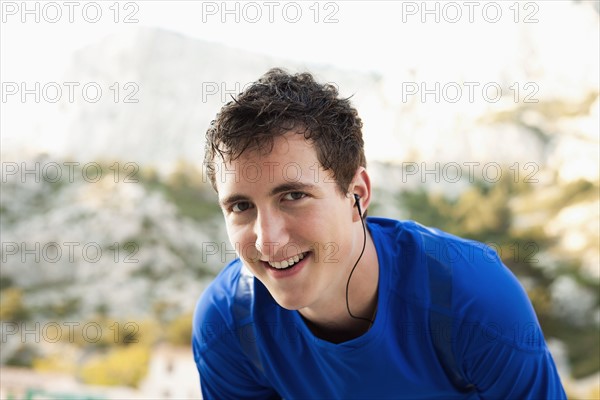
x=287, y=263
x=288, y=267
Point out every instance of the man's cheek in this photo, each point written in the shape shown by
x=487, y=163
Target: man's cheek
x=248, y=252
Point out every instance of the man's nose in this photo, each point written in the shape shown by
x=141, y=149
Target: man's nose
x=271, y=233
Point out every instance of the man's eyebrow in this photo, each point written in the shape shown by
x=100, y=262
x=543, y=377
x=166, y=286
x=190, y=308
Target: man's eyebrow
x=284, y=187
x=293, y=187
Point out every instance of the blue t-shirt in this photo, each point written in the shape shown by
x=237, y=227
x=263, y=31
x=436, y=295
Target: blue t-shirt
x=247, y=346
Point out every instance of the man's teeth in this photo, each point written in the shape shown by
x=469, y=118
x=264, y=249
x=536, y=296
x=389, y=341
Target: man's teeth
x=287, y=263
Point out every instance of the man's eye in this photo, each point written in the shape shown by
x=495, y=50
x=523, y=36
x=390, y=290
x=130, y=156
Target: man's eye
x=294, y=196
x=240, y=207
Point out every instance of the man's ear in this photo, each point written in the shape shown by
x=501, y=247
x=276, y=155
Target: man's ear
x=361, y=186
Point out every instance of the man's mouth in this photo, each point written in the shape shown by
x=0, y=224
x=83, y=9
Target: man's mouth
x=290, y=262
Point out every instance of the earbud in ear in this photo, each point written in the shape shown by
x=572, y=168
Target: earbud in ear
x=357, y=204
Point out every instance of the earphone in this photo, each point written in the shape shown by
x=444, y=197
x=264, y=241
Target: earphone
x=357, y=204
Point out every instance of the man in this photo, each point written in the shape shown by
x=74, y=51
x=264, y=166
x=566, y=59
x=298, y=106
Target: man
x=325, y=303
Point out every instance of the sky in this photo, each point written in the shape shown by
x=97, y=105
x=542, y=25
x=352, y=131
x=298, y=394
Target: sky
x=374, y=35
x=436, y=40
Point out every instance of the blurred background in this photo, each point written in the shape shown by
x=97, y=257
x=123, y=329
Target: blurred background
x=480, y=118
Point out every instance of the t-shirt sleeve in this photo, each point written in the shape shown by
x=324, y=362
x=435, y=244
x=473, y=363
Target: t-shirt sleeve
x=504, y=372
x=225, y=371
x=499, y=343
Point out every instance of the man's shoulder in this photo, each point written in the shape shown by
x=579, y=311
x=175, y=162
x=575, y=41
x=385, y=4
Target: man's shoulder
x=465, y=277
x=421, y=255
x=411, y=239
x=214, y=309
x=220, y=290
x=466, y=261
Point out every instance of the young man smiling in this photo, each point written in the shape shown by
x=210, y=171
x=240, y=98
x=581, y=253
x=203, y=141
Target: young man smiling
x=325, y=303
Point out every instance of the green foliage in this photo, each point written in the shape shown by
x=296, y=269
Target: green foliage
x=481, y=212
x=103, y=333
x=55, y=362
x=23, y=357
x=121, y=366
x=582, y=345
x=11, y=305
x=5, y=282
x=179, y=330
x=188, y=189
x=65, y=308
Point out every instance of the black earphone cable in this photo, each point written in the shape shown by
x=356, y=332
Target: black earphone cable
x=371, y=321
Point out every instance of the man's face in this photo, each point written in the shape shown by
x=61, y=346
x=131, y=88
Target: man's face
x=289, y=223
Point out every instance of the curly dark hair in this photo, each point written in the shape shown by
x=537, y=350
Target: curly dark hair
x=279, y=102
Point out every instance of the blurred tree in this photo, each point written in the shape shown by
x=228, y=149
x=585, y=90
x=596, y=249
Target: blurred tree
x=55, y=362
x=188, y=189
x=179, y=330
x=125, y=366
x=11, y=305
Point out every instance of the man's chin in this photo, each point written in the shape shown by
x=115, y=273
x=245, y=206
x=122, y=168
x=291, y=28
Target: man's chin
x=292, y=304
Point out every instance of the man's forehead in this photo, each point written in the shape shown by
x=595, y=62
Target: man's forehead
x=292, y=158
x=290, y=145
x=261, y=170
x=279, y=145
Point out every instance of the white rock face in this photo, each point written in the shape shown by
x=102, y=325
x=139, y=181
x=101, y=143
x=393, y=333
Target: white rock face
x=104, y=244
x=178, y=84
